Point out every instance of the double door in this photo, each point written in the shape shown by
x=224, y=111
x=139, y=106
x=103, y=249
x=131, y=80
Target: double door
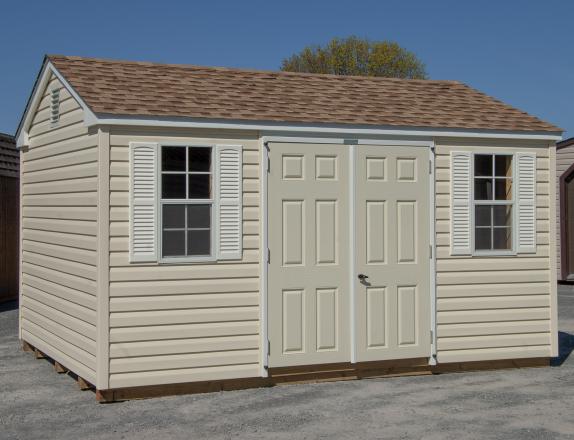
x=349, y=269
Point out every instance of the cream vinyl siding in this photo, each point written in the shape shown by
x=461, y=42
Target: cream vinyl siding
x=564, y=160
x=173, y=323
x=59, y=232
x=492, y=308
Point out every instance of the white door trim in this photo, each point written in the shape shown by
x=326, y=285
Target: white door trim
x=353, y=145
x=263, y=258
x=349, y=141
x=432, y=217
x=352, y=252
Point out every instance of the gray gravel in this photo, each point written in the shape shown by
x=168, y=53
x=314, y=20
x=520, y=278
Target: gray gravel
x=35, y=403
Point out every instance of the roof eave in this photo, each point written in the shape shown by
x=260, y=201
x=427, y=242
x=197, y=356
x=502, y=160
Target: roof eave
x=351, y=130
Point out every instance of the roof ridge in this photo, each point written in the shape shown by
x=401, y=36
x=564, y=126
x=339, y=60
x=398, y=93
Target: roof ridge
x=247, y=70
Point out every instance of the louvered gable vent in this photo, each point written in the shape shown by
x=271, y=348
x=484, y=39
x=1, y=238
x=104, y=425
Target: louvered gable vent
x=55, y=106
x=143, y=216
x=229, y=218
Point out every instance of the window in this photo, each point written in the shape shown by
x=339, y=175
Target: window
x=493, y=202
x=186, y=201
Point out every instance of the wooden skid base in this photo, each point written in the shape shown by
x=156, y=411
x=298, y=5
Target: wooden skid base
x=491, y=365
x=293, y=375
x=313, y=374
x=58, y=367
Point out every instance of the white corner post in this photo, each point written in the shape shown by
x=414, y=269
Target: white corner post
x=103, y=269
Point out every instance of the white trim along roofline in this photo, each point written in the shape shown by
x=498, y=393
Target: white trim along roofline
x=265, y=127
x=36, y=96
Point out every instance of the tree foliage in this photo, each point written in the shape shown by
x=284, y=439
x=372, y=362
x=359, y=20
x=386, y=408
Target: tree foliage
x=356, y=56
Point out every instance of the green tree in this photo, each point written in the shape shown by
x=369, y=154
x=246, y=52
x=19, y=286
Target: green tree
x=357, y=56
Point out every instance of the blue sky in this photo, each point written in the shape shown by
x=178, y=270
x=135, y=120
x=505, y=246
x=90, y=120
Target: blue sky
x=518, y=51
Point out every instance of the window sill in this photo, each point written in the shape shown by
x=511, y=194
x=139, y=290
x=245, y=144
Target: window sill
x=186, y=260
x=494, y=254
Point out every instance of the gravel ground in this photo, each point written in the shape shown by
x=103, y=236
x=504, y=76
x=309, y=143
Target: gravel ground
x=537, y=403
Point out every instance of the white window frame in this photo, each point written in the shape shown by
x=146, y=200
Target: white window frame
x=212, y=201
x=473, y=204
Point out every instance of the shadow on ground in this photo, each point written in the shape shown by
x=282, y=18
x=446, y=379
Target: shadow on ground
x=8, y=305
x=565, y=347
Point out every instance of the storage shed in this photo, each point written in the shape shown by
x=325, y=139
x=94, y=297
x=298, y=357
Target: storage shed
x=565, y=209
x=193, y=228
x=9, y=217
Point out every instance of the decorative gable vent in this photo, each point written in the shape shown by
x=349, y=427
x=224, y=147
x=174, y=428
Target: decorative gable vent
x=55, y=106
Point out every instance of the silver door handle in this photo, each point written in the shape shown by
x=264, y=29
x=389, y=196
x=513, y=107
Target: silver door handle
x=362, y=277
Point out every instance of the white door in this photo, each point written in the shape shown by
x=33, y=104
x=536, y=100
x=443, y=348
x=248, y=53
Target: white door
x=392, y=279
x=309, y=272
x=308, y=278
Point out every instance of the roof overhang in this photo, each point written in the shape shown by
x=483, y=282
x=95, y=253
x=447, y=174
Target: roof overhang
x=271, y=127
x=266, y=127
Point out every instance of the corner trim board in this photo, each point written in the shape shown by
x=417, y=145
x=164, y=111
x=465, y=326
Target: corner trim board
x=103, y=272
x=554, y=347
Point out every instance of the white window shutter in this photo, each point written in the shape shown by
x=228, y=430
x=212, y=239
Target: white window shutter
x=460, y=203
x=143, y=194
x=526, y=202
x=229, y=217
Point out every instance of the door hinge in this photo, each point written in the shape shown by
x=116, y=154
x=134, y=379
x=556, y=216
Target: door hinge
x=430, y=166
x=430, y=251
x=268, y=347
x=431, y=336
x=266, y=144
x=268, y=256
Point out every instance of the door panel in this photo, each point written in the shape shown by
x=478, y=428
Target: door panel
x=392, y=250
x=308, y=282
x=293, y=232
x=309, y=313
x=377, y=317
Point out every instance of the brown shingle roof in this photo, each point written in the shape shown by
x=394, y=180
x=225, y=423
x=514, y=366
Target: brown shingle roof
x=9, y=156
x=150, y=89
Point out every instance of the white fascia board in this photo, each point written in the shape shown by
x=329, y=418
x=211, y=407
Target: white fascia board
x=44, y=76
x=32, y=105
x=279, y=128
